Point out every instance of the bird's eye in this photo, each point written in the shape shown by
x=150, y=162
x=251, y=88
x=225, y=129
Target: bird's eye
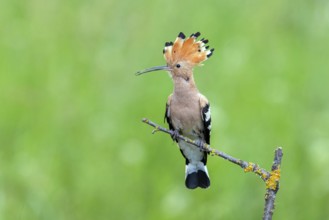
x=178, y=65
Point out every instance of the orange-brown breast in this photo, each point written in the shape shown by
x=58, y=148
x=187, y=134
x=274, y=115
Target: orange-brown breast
x=186, y=114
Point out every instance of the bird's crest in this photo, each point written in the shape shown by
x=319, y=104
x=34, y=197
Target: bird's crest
x=187, y=49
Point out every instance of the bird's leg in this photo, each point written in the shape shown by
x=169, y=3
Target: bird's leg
x=174, y=135
x=200, y=144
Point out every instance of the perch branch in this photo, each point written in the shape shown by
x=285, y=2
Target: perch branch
x=247, y=166
x=270, y=178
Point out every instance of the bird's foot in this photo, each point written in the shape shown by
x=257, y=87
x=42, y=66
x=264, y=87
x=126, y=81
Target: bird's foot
x=199, y=143
x=174, y=135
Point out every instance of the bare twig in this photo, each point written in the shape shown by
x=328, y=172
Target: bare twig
x=270, y=178
x=272, y=185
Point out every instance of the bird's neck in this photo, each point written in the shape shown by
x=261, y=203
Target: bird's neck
x=184, y=87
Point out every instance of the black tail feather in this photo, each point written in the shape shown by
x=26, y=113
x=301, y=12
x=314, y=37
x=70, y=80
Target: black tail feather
x=192, y=181
x=204, y=181
x=197, y=179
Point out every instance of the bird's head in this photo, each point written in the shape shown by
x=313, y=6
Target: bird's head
x=182, y=55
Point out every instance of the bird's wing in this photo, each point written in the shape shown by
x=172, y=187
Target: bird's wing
x=206, y=118
x=167, y=114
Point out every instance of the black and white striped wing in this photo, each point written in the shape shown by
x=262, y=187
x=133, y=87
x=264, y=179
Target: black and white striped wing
x=206, y=117
x=167, y=117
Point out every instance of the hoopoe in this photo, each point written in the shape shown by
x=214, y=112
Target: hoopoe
x=187, y=110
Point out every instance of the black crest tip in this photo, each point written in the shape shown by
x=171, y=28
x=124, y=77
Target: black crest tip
x=205, y=41
x=197, y=34
x=167, y=44
x=181, y=35
x=211, y=52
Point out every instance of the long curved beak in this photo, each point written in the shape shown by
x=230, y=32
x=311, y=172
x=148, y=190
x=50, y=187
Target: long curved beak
x=156, y=68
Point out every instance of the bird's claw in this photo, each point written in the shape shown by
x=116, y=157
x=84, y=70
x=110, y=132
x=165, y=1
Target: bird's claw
x=174, y=135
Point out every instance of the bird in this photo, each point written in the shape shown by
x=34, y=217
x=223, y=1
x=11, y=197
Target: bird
x=187, y=110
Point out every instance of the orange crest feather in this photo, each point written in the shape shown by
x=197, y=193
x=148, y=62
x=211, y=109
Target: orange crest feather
x=189, y=50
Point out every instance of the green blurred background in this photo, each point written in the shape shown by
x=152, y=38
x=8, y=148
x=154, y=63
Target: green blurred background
x=72, y=145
